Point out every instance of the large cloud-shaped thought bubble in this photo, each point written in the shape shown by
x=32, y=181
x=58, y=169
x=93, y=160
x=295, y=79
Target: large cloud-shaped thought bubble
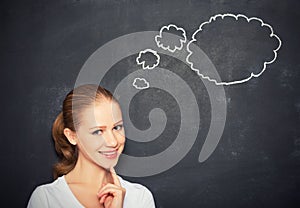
x=148, y=58
x=171, y=45
x=240, y=47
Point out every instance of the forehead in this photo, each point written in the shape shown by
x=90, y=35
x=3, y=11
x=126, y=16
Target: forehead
x=101, y=113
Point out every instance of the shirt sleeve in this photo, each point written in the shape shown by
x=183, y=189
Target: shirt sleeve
x=38, y=199
x=148, y=200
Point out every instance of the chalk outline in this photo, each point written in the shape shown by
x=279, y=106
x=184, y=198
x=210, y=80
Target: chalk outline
x=160, y=45
x=143, y=62
x=213, y=18
x=140, y=79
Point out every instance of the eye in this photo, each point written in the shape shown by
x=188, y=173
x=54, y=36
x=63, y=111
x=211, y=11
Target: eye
x=97, y=132
x=119, y=127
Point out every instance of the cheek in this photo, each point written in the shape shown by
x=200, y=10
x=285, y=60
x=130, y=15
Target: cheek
x=121, y=138
x=121, y=142
x=91, y=142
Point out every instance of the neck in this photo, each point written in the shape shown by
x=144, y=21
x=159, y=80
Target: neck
x=88, y=172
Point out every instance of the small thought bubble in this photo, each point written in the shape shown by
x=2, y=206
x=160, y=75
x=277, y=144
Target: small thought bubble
x=148, y=58
x=239, y=46
x=171, y=45
x=140, y=83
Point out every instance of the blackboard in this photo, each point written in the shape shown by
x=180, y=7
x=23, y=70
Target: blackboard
x=45, y=46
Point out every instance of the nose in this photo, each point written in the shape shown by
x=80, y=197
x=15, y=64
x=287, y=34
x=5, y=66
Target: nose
x=111, y=139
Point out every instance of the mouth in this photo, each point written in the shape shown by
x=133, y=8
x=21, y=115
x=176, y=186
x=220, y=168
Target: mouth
x=112, y=154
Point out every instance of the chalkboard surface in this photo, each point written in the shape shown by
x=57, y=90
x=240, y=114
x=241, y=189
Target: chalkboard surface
x=47, y=45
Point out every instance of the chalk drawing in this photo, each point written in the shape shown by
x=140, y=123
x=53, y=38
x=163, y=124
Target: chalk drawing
x=236, y=17
x=140, y=83
x=161, y=41
x=139, y=60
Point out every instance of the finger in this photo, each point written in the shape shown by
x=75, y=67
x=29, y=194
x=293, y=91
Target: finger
x=108, y=201
x=102, y=199
x=112, y=190
x=107, y=186
x=115, y=176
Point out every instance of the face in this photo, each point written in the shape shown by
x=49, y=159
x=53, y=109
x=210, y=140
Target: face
x=101, y=136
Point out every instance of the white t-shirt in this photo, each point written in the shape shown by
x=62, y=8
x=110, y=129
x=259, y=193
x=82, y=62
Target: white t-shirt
x=58, y=195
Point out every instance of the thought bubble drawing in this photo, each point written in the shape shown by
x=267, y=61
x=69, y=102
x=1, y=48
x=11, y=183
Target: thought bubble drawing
x=162, y=79
x=140, y=83
x=148, y=58
x=171, y=45
x=239, y=46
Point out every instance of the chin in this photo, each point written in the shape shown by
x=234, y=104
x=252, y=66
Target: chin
x=108, y=165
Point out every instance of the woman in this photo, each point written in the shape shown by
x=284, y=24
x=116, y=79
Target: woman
x=89, y=138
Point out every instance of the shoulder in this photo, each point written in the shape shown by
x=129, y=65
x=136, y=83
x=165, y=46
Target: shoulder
x=38, y=198
x=50, y=187
x=137, y=194
x=40, y=195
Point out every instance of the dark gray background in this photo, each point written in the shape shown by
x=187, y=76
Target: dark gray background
x=45, y=43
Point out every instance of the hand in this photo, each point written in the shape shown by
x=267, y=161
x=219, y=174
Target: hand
x=112, y=195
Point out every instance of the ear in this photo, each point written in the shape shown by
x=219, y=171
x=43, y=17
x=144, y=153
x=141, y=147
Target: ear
x=71, y=136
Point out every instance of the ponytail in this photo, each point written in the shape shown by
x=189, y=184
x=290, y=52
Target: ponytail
x=66, y=151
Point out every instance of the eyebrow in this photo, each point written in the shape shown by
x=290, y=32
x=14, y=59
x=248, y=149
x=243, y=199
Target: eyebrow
x=104, y=127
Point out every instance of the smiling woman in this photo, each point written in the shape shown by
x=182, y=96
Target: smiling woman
x=89, y=138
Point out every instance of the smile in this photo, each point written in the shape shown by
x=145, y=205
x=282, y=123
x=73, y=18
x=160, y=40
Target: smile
x=109, y=154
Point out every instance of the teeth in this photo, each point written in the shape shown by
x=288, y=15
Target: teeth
x=108, y=153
